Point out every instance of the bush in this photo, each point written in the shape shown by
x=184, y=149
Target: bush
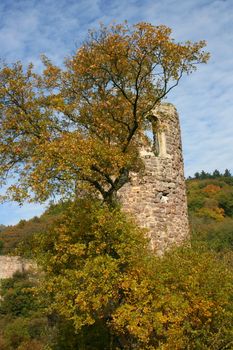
x=17, y=294
x=185, y=302
x=101, y=276
x=16, y=332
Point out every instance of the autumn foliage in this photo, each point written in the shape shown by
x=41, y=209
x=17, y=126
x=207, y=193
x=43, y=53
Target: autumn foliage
x=99, y=270
x=75, y=132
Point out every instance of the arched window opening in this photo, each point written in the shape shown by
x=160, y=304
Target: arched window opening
x=155, y=134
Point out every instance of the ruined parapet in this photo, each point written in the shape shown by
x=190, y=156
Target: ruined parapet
x=11, y=264
x=157, y=197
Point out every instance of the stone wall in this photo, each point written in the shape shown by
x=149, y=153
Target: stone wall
x=157, y=197
x=10, y=264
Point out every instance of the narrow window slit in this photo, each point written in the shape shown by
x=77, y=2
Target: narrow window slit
x=155, y=134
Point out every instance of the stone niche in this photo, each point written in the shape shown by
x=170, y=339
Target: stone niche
x=157, y=198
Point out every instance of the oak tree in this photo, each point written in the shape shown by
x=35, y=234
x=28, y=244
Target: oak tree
x=77, y=127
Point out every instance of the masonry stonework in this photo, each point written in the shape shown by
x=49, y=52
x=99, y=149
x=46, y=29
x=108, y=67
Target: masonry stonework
x=11, y=264
x=157, y=197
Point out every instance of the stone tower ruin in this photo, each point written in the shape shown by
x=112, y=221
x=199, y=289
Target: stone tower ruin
x=157, y=197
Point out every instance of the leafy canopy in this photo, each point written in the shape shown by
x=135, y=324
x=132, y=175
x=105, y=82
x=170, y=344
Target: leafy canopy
x=88, y=255
x=78, y=127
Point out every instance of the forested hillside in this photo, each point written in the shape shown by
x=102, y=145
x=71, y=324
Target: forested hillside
x=210, y=203
x=13, y=236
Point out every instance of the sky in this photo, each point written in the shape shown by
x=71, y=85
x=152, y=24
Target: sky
x=29, y=28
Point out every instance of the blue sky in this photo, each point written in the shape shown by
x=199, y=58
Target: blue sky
x=29, y=28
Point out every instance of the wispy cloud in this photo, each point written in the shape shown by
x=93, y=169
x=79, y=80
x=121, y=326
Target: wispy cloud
x=204, y=99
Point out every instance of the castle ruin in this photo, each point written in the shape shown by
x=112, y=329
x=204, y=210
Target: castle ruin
x=157, y=197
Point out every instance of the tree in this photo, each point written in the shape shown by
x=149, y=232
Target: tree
x=204, y=175
x=227, y=173
x=216, y=173
x=77, y=128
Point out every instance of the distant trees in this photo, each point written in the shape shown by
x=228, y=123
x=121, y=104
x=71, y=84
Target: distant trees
x=12, y=236
x=215, y=174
